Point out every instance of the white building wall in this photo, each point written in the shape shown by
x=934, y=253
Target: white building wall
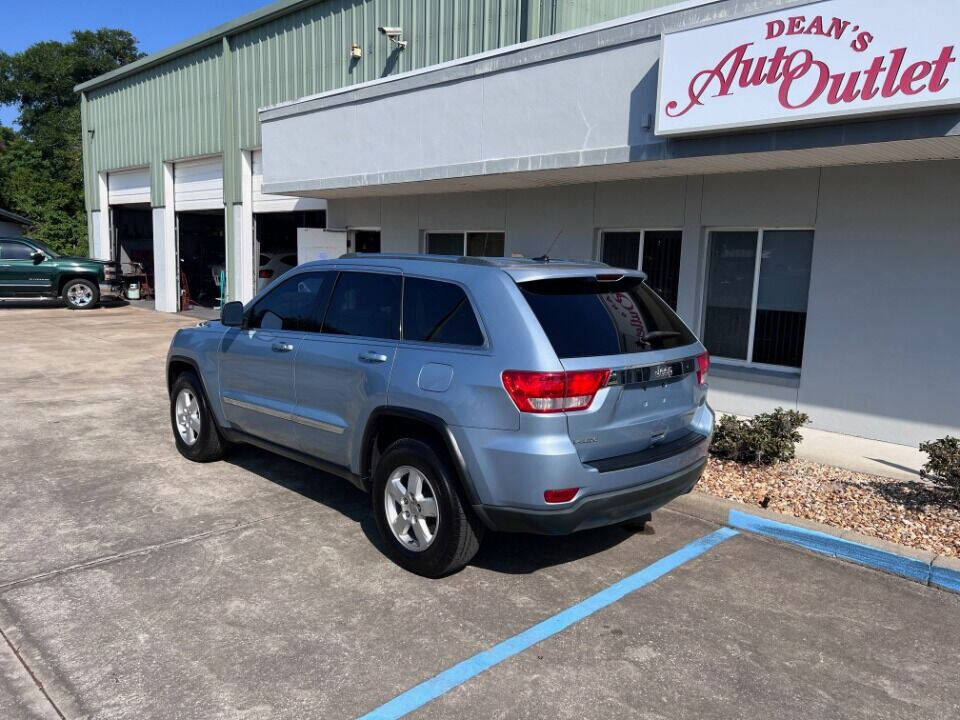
x=881, y=336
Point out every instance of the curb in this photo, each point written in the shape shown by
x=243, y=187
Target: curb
x=918, y=566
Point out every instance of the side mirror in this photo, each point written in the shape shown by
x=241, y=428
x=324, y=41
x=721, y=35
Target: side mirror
x=38, y=256
x=232, y=314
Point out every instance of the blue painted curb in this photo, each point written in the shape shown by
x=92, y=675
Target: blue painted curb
x=837, y=547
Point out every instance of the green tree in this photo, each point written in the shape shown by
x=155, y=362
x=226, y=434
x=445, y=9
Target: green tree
x=41, y=164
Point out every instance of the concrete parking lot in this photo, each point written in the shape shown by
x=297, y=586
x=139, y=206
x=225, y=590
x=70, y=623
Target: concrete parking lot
x=134, y=584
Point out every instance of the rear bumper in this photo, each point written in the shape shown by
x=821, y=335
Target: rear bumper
x=594, y=510
x=110, y=288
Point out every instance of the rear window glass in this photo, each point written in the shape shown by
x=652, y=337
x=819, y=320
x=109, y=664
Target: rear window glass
x=435, y=311
x=584, y=317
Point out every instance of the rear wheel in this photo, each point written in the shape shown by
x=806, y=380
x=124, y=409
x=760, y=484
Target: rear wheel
x=81, y=294
x=194, y=429
x=425, y=526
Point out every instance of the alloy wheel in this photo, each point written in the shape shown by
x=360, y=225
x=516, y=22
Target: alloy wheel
x=79, y=295
x=410, y=502
x=187, y=414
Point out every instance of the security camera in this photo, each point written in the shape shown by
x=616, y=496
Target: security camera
x=394, y=34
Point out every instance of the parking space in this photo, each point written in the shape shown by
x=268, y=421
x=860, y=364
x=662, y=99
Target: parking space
x=136, y=584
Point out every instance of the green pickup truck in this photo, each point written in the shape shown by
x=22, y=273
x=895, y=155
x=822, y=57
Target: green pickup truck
x=29, y=268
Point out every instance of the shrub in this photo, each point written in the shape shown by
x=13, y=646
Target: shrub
x=766, y=439
x=943, y=464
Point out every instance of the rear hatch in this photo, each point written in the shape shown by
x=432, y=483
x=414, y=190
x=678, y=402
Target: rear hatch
x=612, y=321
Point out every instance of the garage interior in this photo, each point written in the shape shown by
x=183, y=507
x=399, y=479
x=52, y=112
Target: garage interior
x=133, y=248
x=201, y=249
x=276, y=241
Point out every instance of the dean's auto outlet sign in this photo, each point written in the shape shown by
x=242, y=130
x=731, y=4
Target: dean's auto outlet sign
x=832, y=59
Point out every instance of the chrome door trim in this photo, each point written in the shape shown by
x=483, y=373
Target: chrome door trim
x=299, y=419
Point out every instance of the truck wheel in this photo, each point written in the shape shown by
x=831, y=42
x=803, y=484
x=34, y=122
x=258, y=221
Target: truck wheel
x=194, y=428
x=424, y=524
x=80, y=294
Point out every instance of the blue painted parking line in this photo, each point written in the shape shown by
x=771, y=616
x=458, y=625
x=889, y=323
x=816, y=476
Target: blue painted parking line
x=833, y=546
x=458, y=674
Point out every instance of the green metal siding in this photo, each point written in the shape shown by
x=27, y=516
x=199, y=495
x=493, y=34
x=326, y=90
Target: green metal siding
x=562, y=15
x=172, y=111
x=307, y=51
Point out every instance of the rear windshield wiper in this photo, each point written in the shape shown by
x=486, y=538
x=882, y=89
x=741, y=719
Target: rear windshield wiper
x=658, y=335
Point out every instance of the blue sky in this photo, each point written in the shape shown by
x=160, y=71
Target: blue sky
x=156, y=24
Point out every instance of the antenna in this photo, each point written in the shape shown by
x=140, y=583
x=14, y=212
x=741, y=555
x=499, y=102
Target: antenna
x=546, y=256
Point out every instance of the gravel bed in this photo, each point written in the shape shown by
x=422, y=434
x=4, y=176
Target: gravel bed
x=915, y=513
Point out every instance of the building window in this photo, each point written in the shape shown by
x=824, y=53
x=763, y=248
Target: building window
x=660, y=254
x=475, y=244
x=758, y=282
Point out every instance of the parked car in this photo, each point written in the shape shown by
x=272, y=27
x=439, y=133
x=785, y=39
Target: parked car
x=272, y=266
x=464, y=394
x=30, y=268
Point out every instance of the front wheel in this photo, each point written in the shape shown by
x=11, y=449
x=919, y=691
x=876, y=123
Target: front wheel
x=80, y=294
x=194, y=429
x=425, y=526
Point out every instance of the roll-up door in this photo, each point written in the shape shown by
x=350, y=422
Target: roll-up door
x=263, y=203
x=126, y=187
x=198, y=184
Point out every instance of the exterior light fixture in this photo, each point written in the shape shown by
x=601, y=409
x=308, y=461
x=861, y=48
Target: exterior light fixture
x=356, y=52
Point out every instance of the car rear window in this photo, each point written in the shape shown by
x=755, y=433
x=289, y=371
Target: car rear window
x=438, y=312
x=586, y=317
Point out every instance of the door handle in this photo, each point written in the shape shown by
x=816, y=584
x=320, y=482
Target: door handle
x=281, y=347
x=372, y=357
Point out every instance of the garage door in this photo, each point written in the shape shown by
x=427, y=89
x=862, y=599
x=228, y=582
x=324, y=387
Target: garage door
x=198, y=184
x=129, y=186
x=263, y=203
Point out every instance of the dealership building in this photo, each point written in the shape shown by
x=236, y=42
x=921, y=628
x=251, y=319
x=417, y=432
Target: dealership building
x=786, y=173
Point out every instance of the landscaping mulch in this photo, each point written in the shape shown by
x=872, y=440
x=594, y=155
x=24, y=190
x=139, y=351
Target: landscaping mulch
x=915, y=513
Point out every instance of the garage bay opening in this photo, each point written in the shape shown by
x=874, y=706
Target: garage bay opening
x=201, y=251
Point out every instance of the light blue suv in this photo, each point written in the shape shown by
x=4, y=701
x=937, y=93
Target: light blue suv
x=464, y=394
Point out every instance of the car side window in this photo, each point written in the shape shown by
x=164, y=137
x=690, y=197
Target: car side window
x=435, y=311
x=365, y=305
x=12, y=250
x=295, y=304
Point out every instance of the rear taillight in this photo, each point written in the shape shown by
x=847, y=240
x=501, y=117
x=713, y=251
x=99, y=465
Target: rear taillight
x=703, y=367
x=553, y=392
x=266, y=274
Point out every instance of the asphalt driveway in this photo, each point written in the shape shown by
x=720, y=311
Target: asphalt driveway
x=134, y=584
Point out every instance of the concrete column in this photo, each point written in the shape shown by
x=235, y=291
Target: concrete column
x=101, y=249
x=246, y=244
x=166, y=272
x=692, y=256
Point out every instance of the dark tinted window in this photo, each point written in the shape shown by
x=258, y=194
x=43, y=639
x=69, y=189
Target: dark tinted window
x=15, y=251
x=584, y=317
x=295, y=304
x=661, y=263
x=438, y=312
x=366, y=305
x=622, y=249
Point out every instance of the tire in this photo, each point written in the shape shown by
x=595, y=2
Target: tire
x=189, y=411
x=81, y=294
x=456, y=531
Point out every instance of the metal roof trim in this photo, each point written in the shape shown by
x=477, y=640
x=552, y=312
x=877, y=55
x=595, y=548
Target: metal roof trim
x=244, y=22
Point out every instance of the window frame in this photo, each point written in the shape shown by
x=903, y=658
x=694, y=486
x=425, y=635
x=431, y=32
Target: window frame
x=368, y=270
x=643, y=239
x=463, y=234
x=484, y=347
x=16, y=241
x=705, y=277
x=267, y=291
